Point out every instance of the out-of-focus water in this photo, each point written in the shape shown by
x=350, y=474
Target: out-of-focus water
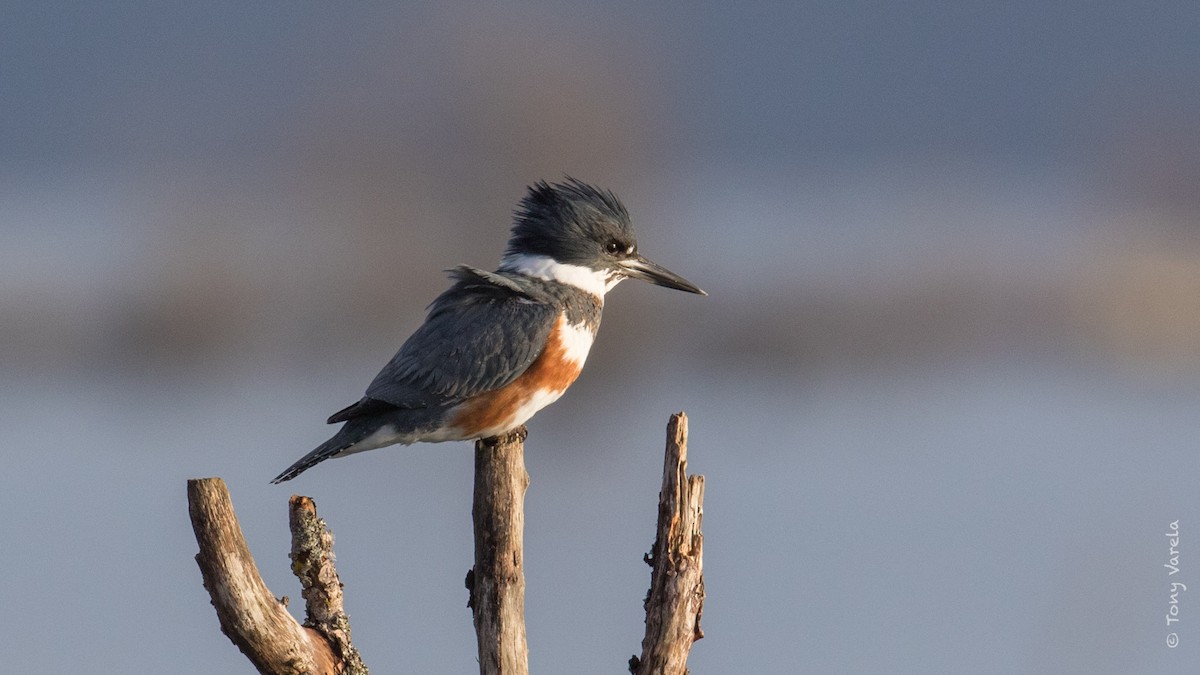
x=988, y=515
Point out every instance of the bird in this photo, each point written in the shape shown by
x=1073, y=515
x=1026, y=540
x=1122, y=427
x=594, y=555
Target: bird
x=497, y=347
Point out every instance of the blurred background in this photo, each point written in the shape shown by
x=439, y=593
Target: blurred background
x=945, y=390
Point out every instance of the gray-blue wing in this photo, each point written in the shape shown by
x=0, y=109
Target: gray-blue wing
x=480, y=335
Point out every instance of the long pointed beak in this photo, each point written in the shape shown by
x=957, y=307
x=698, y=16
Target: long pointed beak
x=647, y=270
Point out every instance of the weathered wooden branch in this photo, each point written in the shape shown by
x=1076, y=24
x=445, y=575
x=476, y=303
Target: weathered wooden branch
x=497, y=581
x=321, y=588
x=676, y=598
x=277, y=644
x=249, y=614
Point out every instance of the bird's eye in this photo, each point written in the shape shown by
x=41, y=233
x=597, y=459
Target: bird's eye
x=613, y=247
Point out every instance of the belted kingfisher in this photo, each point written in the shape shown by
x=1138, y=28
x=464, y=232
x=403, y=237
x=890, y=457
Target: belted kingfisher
x=499, y=346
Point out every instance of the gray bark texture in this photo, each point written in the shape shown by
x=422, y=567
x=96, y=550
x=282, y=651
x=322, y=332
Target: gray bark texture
x=497, y=581
x=676, y=598
x=249, y=613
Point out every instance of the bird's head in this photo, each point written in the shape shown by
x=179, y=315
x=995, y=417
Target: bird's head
x=578, y=234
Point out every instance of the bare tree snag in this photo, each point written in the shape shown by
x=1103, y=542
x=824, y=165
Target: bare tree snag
x=676, y=597
x=497, y=581
x=277, y=644
x=312, y=563
x=249, y=614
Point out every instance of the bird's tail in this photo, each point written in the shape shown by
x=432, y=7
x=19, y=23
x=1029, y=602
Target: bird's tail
x=343, y=440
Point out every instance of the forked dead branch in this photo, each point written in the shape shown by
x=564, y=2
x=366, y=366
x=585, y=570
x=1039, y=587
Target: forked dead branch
x=263, y=629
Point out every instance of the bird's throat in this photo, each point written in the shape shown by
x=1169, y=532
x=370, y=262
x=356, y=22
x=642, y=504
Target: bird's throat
x=596, y=282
